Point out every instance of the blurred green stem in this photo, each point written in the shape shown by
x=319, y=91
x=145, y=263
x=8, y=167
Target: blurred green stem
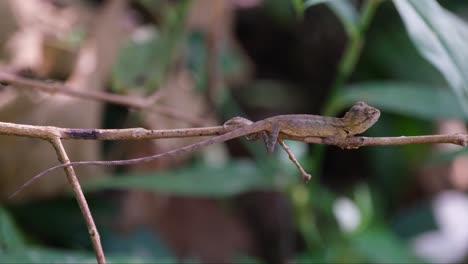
x=346, y=66
x=351, y=55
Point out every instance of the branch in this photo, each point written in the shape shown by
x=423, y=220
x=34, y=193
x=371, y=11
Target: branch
x=55, y=134
x=132, y=102
x=139, y=133
x=44, y=132
x=356, y=142
x=52, y=134
x=80, y=198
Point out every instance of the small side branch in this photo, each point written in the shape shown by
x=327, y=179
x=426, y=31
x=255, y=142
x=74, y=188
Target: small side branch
x=80, y=198
x=132, y=102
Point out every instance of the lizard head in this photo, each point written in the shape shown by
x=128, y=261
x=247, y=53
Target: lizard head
x=360, y=117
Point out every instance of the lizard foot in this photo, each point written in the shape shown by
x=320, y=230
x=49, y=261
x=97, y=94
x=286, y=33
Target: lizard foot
x=344, y=143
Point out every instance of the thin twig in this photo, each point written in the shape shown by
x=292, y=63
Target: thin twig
x=80, y=198
x=133, y=102
x=356, y=142
x=108, y=134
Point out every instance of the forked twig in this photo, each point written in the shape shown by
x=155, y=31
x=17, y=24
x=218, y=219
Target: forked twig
x=81, y=199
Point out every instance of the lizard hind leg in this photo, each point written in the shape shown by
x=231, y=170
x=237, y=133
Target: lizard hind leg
x=240, y=122
x=271, y=137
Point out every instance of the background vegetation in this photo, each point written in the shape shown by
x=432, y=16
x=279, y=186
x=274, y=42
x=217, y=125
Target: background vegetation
x=213, y=60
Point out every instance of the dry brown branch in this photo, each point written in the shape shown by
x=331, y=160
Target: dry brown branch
x=44, y=132
x=52, y=134
x=132, y=102
x=356, y=142
x=81, y=199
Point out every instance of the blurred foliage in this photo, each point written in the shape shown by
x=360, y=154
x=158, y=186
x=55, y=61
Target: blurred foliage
x=232, y=66
x=409, y=99
x=15, y=248
x=344, y=10
x=200, y=180
x=406, y=57
x=151, y=52
x=440, y=37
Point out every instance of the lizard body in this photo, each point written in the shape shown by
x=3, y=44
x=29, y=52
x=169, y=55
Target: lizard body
x=357, y=120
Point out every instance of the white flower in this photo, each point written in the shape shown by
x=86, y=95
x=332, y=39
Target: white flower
x=449, y=244
x=347, y=214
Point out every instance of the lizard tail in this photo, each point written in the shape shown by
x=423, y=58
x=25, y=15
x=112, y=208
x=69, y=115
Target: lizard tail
x=256, y=127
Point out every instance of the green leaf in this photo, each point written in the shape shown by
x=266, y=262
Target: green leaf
x=11, y=237
x=146, y=59
x=134, y=62
x=447, y=156
x=196, y=59
x=46, y=255
x=231, y=64
x=414, y=220
x=379, y=245
x=416, y=100
x=36, y=255
x=235, y=178
x=441, y=39
x=363, y=199
x=140, y=242
x=298, y=7
x=152, y=5
x=344, y=10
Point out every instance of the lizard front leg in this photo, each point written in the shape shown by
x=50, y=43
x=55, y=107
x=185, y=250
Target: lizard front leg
x=272, y=137
x=240, y=122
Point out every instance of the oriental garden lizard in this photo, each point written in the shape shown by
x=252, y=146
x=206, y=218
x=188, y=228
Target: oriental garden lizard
x=333, y=130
